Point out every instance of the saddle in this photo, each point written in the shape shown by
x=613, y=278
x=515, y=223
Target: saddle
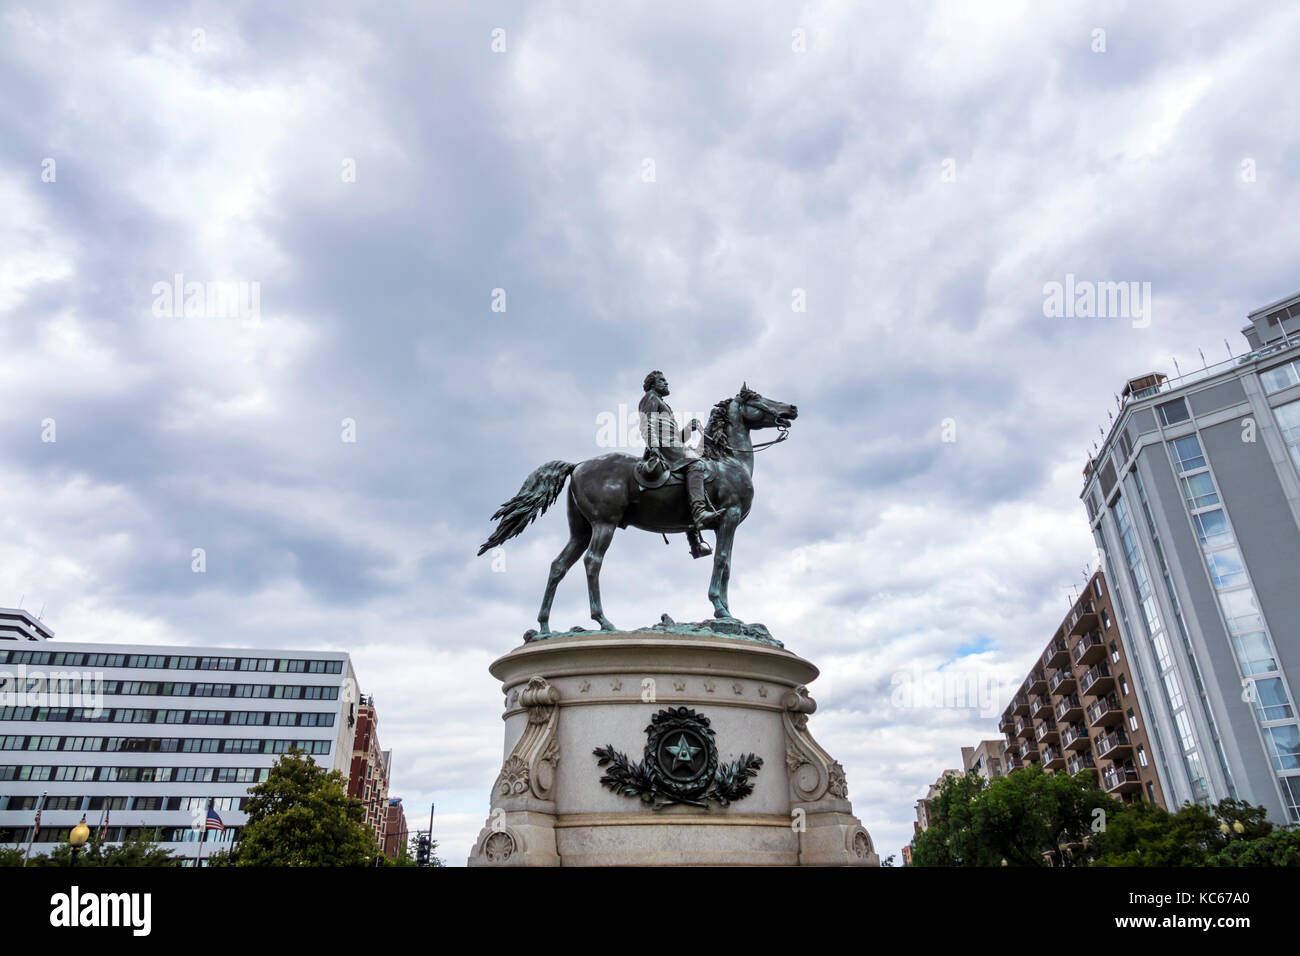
x=655, y=471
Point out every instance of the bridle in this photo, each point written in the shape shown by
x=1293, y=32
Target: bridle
x=784, y=434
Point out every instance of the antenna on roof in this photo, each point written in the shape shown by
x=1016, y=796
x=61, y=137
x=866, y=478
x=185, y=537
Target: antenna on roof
x=1228, y=347
x=1204, y=364
x=1177, y=369
x=42, y=614
x=20, y=601
x=1109, y=416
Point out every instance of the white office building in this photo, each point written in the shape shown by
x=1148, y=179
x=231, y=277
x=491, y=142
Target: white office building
x=1194, y=501
x=141, y=736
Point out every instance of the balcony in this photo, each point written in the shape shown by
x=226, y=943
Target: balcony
x=1036, y=682
x=1113, y=745
x=1062, y=682
x=1052, y=758
x=1105, y=712
x=1019, y=705
x=1069, y=709
x=1083, y=618
x=1098, y=680
x=1080, y=761
x=1047, y=732
x=1074, y=737
x=1121, y=779
x=1007, y=723
x=1024, y=727
x=1040, y=708
x=1028, y=751
x=1090, y=649
x=1056, y=655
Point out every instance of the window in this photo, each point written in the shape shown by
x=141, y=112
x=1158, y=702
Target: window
x=1187, y=453
x=1241, y=610
x=1142, y=758
x=1275, y=379
x=1212, y=528
x=1133, y=721
x=1291, y=790
x=1199, y=491
x=1284, y=746
x=1171, y=413
x=1226, y=569
x=1105, y=619
x=1253, y=653
x=1288, y=420
x=1270, y=699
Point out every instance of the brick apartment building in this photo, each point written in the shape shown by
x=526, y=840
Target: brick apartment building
x=1077, y=709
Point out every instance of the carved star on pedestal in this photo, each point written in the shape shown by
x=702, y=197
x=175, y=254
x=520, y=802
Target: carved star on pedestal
x=682, y=751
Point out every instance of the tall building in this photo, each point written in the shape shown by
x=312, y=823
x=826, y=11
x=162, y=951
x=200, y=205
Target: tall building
x=1078, y=707
x=396, y=832
x=18, y=625
x=139, y=737
x=985, y=758
x=923, y=805
x=369, y=770
x=1194, y=501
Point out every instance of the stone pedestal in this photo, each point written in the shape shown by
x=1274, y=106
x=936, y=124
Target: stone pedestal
x=704, y=751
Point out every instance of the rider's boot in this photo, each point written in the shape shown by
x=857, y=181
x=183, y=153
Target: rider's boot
x=701, y=515
x=698, y=548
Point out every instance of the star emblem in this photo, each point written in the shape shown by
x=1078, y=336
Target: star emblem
x=682, y=751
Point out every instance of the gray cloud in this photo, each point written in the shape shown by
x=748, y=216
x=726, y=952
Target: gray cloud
x=873, y=546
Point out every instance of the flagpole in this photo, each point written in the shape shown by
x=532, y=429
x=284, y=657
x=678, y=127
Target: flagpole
x=202, y=833
x=36, y=826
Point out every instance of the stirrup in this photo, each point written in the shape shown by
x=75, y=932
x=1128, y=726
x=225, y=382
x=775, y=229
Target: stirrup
x=700, y=549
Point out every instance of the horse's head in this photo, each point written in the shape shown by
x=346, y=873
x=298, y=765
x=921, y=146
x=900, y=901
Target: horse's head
x=759, y=412
x=748, y=410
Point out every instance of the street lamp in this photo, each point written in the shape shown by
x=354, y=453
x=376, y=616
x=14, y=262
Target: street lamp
x=78, y=837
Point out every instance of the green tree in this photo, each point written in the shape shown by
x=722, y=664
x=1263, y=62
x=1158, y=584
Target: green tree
x=1024, y=819
x=1230, y=833
x=140, y=850
x=301, y=815
x=1281, y=847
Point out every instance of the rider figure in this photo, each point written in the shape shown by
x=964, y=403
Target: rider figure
x=666, y=441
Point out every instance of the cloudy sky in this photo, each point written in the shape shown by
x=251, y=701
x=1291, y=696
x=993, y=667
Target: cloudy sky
x=655, y=185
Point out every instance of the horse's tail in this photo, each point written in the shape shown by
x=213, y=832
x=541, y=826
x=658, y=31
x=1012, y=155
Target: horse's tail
x=538, y=492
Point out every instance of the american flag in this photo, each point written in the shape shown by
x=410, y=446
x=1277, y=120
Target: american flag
x=214, y=821
x=103, y=827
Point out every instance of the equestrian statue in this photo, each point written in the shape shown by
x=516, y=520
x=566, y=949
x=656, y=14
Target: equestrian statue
x=670, y=489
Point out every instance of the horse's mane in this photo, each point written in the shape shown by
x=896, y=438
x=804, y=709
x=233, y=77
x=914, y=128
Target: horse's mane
x=715, y=445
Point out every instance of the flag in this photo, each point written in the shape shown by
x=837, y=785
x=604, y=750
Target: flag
x=103, y=826
x=214, y=820
x=38, y=816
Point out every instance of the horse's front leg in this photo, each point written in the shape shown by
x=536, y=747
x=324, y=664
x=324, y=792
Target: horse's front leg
x=601, y=536
x=722, y=563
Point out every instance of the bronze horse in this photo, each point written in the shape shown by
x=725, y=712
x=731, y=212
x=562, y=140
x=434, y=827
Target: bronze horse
x=604, y=496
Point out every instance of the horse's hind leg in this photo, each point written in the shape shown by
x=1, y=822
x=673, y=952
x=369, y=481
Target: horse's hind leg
x=602, y=534
x=579, y=536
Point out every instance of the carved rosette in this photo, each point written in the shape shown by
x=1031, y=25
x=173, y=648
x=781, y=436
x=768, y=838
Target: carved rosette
x=529, y=769
x=813, y=773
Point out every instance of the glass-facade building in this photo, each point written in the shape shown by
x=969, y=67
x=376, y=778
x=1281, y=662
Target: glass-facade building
x=138, y=737
x=1194, y=502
